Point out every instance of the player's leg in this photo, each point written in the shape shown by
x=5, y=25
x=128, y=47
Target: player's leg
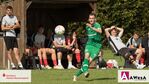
x=85, y=64
x=78, y=57
x=44, y=56
x=9, y=47
x=53, y=56
x=84, y=67
x=40, y=57
x=9, y=52
x=16, y=53
x=139, y=54
x=59, y=55
x=69, y=57
x=128, y=54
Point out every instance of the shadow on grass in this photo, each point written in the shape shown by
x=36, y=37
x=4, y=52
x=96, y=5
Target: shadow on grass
x=101, y=79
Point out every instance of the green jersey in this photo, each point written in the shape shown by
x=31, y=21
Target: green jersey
x=94, y=38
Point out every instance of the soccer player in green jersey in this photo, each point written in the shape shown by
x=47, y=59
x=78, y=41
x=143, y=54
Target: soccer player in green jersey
x=93, y=45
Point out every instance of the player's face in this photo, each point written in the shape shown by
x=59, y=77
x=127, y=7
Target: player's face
x=135, y=36
x=114, y=32
x=41, y=30
x=91, y=19
x=9, y=11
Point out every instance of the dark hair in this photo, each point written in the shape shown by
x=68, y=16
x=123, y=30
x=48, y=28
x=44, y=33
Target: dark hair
x=136, y=32
x=9, y=7
x=92, y=14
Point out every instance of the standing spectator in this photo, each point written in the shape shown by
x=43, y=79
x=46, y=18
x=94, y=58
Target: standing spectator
x=9, y=24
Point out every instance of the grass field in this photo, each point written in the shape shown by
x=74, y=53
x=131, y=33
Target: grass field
x=107, y=76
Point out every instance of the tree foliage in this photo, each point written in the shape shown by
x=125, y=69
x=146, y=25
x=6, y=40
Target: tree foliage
x=132, y=15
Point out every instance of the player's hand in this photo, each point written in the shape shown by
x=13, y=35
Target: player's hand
x=10, y=26
x=89, y=25
x=113, y=27
x=74, y=37
x=68, y=47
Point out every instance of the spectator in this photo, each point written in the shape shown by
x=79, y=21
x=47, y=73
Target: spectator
x=135, y=42
x=9, y=24
x=48, y=50
x=61, y=47
x=145, y=48
x=73, y=48
x=119, y=47
x=38, y=44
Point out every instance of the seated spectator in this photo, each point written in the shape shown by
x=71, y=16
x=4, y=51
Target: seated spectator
x=135, y=42
x=72, y=44
x=120, y=48
x=61, y=47
x=49, y=50
x=38, y=44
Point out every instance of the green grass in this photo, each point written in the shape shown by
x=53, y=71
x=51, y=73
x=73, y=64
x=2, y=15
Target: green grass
x=108, y=76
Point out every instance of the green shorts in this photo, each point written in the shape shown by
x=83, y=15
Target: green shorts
x=93, y=50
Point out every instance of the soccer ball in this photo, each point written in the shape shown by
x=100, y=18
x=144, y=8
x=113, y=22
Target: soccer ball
x=111, y=63
x=59, y=30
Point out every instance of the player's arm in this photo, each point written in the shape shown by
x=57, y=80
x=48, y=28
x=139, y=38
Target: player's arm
x=56, y=45
x=4, y=26
x=74, y=39
x=107, y=32
x=95, y=29
x=16, y=25
x=121, y=31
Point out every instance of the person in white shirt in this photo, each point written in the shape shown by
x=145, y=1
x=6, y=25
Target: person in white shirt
x=120, y=48
x=9, y=24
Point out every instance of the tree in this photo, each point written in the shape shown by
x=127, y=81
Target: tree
x=132, y=15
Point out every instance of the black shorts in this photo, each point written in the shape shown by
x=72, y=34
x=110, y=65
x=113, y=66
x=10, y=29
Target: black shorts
x=61, y=49
x=64, y=50
x=126, y=52
x=11, y=42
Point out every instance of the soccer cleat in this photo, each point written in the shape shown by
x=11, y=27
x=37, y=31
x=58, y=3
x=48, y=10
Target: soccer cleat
x=86, y=74
x=20, y=67
x=58, y=67
x=140, y=66
x=48, y=67
x=72, y=67
x=42, y=66
x=13, y=68
x=74, y=78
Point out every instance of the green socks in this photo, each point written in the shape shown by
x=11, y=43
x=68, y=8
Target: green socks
x=84, y=67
